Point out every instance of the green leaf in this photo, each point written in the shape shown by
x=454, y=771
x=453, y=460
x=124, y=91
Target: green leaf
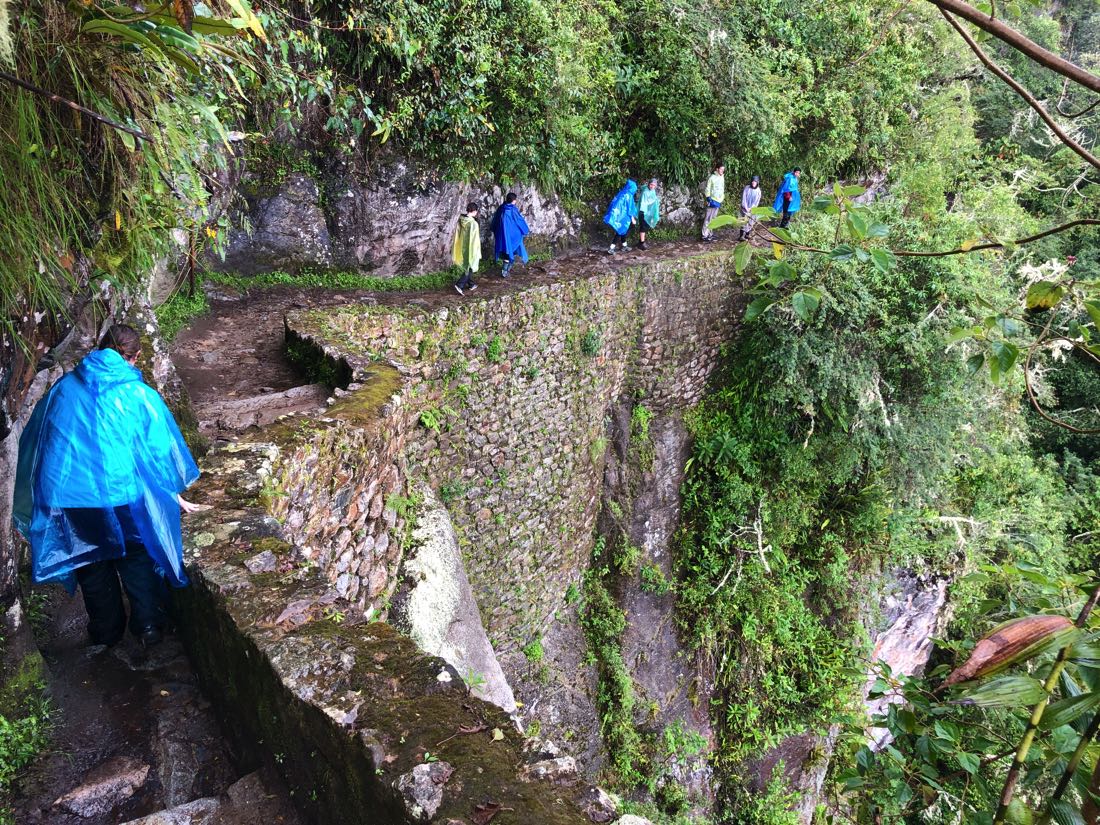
x=781, y=233
x=968, y=762
x=1065, y=813
x=958, y=334
x=1044, y=294
x=878, y=230
x=857, y=226
x=883, y=259
x=120, y=30
x=974, y=363
x=765, y=212
x=1065, y=711
x=805, y=303
x=1009, y=326
x=853, y=191
x=723, y=221
x=843, y=252
x=1004, y=358
x=757, y=308
x=1005, y=692
x=742, y=254
x=1093, y=308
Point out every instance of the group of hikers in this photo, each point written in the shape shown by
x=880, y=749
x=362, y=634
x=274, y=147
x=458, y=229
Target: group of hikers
x=626, y=210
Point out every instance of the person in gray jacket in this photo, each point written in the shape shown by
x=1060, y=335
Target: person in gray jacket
x=750, y=199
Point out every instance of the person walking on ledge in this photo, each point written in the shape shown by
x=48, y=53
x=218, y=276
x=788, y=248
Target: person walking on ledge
x=97, y=491
x=466, y=251
x=649, y=208
x=789, y=199
x=750, y=199
x=509, y=229
x=715, y=194
x=621, y=213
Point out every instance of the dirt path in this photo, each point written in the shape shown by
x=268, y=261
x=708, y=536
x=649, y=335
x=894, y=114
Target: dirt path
x=233, y=361
x=133, y=736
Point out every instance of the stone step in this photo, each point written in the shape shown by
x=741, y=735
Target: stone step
x=249, y=801
x=235, y=415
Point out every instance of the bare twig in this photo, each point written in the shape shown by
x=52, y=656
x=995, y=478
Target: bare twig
x=1022, y=92
x=30, y=87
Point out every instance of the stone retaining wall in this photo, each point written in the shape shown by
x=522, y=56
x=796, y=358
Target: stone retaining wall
x=363, y=725
x=506, y=404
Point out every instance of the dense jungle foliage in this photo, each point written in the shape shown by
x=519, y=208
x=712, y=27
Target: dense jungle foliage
x=885, y=437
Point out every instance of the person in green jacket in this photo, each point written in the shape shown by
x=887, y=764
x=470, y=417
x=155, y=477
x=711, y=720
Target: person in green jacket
x=715, y=193
x=467, y=249
x=649, y=208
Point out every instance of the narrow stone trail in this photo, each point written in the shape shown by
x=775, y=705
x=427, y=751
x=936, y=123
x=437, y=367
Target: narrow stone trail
x=233, y=362
x=134, y=739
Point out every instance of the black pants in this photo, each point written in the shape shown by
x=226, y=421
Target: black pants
x=786, y=213
x=467, y=279
x=100, y=581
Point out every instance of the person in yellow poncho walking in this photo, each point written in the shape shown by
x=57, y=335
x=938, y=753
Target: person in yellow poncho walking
x=467, y=249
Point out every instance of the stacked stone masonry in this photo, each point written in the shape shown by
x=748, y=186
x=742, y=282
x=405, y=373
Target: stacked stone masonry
x=504, y=411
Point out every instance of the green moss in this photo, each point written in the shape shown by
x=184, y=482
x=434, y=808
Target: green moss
x=364, y=405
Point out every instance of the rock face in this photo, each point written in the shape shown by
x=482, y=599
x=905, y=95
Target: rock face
x=914, y=612
x=438, y=609
x=400, y=221
x=289, y=230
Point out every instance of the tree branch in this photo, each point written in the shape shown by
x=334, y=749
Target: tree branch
x=1022, y=92
x=30, y=87
x=1022, y=44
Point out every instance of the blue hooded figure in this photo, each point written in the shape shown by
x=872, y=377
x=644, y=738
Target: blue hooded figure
x=509, y=229
x=101, y=466
x=788, y=199
x=622, y=212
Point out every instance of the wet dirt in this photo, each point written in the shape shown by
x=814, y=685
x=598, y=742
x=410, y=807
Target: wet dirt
x=132, y=733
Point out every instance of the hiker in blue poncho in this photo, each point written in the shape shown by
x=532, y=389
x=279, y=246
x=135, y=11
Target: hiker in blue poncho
x=621, y=213
x=649, y=207
x=509, y=228
x=101, y=467
x=788, y=200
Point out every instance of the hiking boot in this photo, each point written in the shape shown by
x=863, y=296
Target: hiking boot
x=642, y=245
x=472, y=287
x=458, y=289
x=150, y=636
x=611, y=249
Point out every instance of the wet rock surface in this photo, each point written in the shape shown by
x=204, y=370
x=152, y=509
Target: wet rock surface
x=133, y=733
x=398, y=222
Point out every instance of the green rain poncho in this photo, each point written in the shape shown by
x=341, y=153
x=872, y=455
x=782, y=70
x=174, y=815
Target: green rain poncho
x=650, y=206
x=467, y=245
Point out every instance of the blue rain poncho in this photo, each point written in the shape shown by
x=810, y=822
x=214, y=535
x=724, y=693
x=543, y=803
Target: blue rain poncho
x=790, y=184
x=101, y=448
x=650, y=207
x=622, y=210
x=509, y=229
